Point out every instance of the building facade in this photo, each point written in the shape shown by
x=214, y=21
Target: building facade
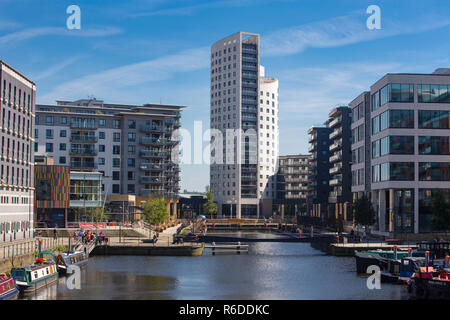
x=17, y=100
x=132, y=146
x=406, y=148
x=319, y=177
x=244, y=123
x=292, y=186
x=340, y=197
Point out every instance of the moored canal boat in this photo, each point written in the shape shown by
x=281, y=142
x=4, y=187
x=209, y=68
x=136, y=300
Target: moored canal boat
x=71, y=258
x=8, y=288
x=31, y=278
x=430, y=283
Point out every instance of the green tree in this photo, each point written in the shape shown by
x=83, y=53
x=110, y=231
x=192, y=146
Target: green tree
x=363, y=211
x=440, y=220
x=155, y=211
x=98, y=214
x=209, y=207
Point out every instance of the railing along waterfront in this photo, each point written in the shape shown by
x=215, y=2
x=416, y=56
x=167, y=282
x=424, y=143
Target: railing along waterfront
x=14, y=249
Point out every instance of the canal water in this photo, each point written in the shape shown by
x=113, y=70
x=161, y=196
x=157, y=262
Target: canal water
x=271, y=270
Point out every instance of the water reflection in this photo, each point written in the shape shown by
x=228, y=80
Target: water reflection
x=268, y=271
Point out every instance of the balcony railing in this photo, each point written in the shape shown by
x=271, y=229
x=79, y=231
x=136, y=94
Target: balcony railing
x=151, y=128
x=335, y=122
x=83, y=139
x=336, y=157
x=152, y=154
x=83, y=152
x=336, y=181
x=335, y=133
x=151, y=180
x=335, y=170
x=336, y=146
x=151, y=167
x=82, y=125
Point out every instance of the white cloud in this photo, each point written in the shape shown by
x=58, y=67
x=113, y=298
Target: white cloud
x=30, y=33
x=55, y=69
x=116, y=82
x=340, y=31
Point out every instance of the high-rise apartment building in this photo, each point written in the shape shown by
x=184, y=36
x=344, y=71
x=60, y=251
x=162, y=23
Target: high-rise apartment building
x=406, y=150
x=133, y=146
x=292, y=185
x=340, y=197
x=244, y=120
x=319, y=177
x=17, y=99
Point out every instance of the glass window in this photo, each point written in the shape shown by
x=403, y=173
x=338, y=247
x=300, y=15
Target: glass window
x=401, y=171
x=62, y=160
x=101, y=135
x=116, y=188
x=384, y=146
x=101, y=148
x=49, y=147
x=132, y=124
x=402, y=92
x=384, y=121
x=401, y=119
x=434, y=119
x=116, y=124
x=131, y=149
x=131, y=162
x=116, y=162
x=401, y=145
x=131, y=137
x=376, y=173
x=384, y=95
x=375, y=101
x=116, y=149
x=434, y=145
x=384, y=171
x=375, y=125
x=63, y=120
x=62, y=146
x=375, y=149
x=63, y=133
x=434, y=171
x=101, y=122
x=49, y=133
x=101, y=161
x=49, y=120
x=116, y=136
x=116, y=175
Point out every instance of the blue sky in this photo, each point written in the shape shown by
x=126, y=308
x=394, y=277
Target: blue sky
x=151, y=51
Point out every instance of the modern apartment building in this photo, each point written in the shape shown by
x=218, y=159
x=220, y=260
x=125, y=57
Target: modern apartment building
x=319, y=177
x=406, y=148
x=340, y=197
x=292, y=185
x=131, y=145
x=17, y=99
x=244, y=120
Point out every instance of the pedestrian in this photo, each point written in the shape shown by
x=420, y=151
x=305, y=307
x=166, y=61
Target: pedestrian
x=54, y=234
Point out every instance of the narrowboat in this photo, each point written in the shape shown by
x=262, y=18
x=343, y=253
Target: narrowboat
x=364, y=259
x=429, y=283
x=31, y=278
x=8, y=288
x=66, y=259
x=69, y=258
